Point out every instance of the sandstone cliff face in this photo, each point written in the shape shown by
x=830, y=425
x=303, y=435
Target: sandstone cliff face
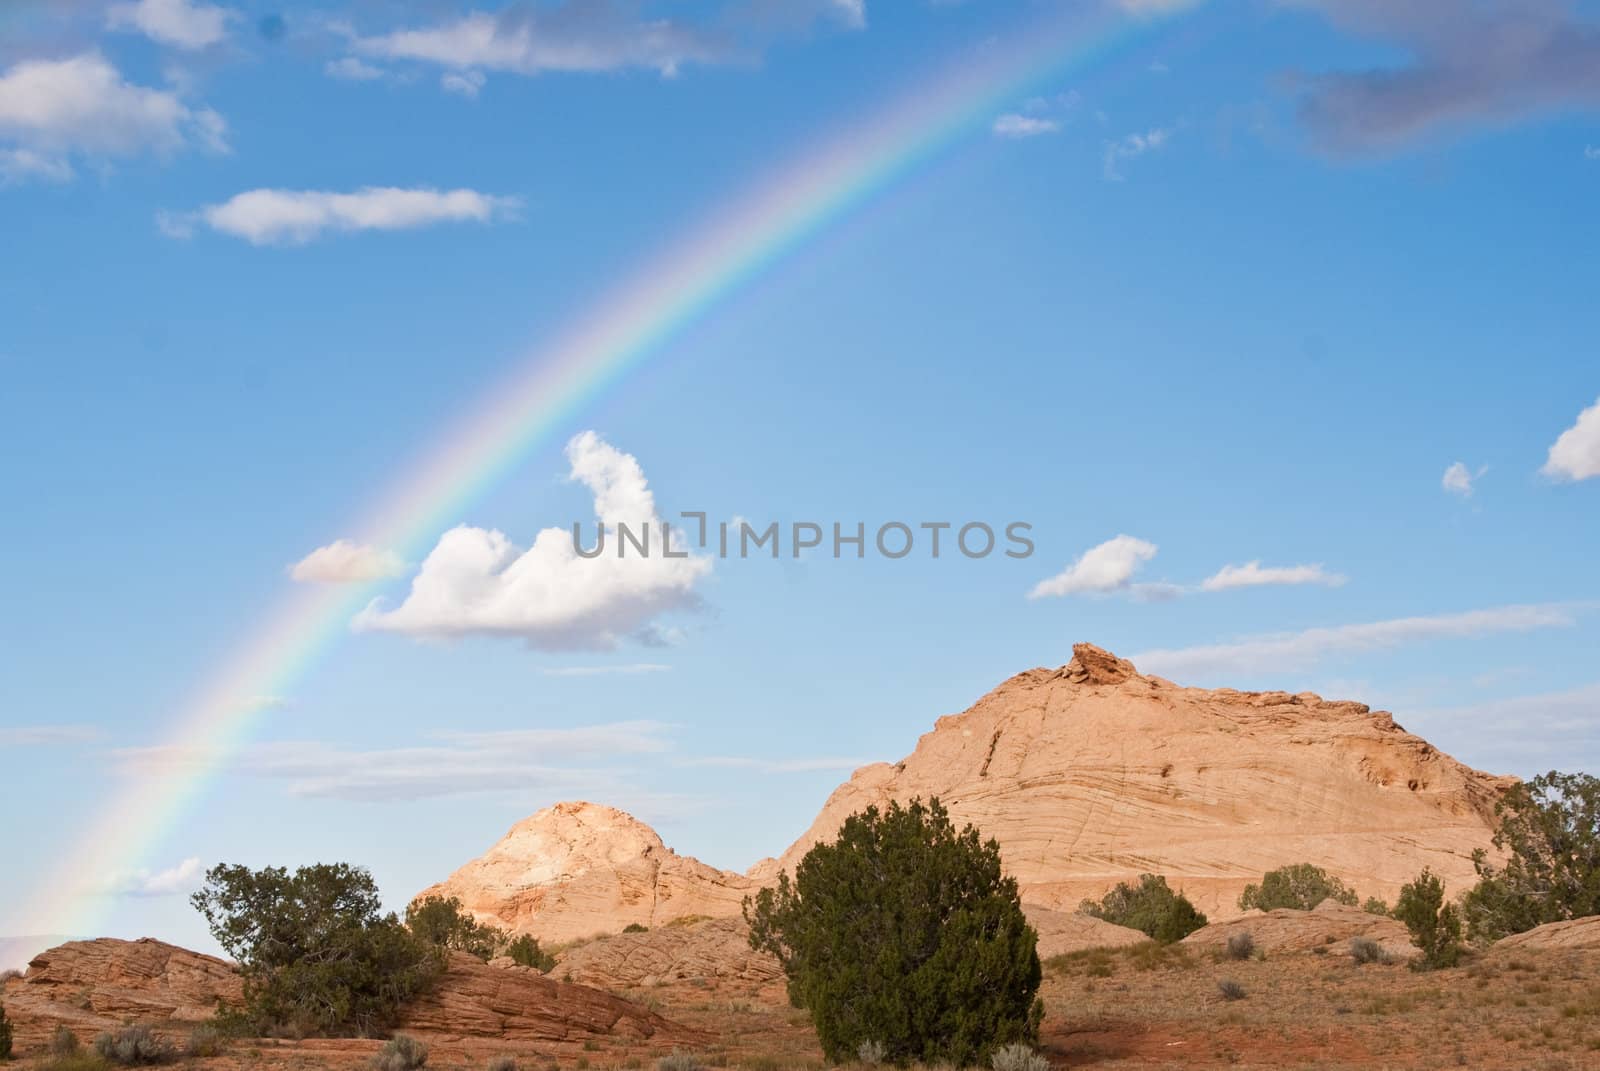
x=1330, y=926
x=1092, y=773
x=715, y=950
x=1581, y=934
x=580, y=869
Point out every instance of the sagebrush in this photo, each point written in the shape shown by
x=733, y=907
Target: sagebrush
x=1150, y=907
x=400, y=1053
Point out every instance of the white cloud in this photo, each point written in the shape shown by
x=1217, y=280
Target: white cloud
x=178, y=880
x=1591, y=152
x=1459, y=480
x=739, y=762
x=1012, y=125
x=461, y=763
x=294, y=217
x=631, y=669
x=465, y=83
x=1556, y=725
x=1100, y=570
x=1130, y=147
x=346, y=562
x=53, y=110
x=352, y=69
x=592, y=37
x=476, y=582
x=46, y=735
x=1576, y=454
x=1253, y=574
x=1296, y=650
x=180, y=23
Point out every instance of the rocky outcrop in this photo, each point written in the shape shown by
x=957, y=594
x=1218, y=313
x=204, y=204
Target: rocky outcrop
x=1061, y=932
x=95, y=986
x=519, y=1005
x=1330, y=925
x=1578, y=934
x=576, y=870
x=715, y=950
x=92, y=986
x=1092, y=774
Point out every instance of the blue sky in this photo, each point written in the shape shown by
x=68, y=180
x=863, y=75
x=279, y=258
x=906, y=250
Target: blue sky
x=1245, y=289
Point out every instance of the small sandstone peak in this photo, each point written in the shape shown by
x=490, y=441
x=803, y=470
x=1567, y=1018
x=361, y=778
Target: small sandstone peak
x=1095, y=665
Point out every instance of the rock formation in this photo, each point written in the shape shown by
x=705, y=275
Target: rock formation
x=1093, y=773
x=1330, y=925
x=715, y=950
x=1067, y=931
x=93, y=986
x=1581, y=933
x=576, y=870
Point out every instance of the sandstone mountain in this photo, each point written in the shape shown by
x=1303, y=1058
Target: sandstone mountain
x=1087, y=775
x=580, y=869
x=1093, y=773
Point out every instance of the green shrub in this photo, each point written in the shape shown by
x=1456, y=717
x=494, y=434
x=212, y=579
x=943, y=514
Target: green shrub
x=1149, y=907
x=64, y=1042
x=1300, y=886
x=1374, y=906
x=1365, y=950
x=400, y=1053
x=679, y=1060
x=204, y=1040
x=5, y=1036
x=1018, y=1057
x=444, y=923
x=870, y=1053
x=1434, y=926
x=525, y=952
x=1549, y=829
x=133, y=1046
x=634, y=927
x=316, y=954
x=1241, y=946
x=1230, y=990
x=905, y=932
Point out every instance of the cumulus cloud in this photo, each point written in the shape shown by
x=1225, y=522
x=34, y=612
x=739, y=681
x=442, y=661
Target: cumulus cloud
x=46, y=735
x=1253, y=575
x=294, y=217
x=477, y=582
x=346, y=562
x=1576, y=454
x=459, y=763
x=180, y=23
x=54, y=110
x=1014, y=125
x=1281, y=652
x=1460, y=480
x=1131, y=147
x=1487, y=61
x=178, y=880
x=1100, y=570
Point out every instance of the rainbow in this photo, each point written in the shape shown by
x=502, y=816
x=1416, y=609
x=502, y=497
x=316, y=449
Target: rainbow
x=546, y=392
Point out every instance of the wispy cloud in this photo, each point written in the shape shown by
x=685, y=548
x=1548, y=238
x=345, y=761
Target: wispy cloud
x=1253, y=575
x=294, y=217
x=1298, y=650
x=1015, y=125
x=457, y=763
x=345, y=561
x=630, y=669
x=1131, y=147
x=47, y=735
x=795, y=765
x=177, y=880
x=1460, y=480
